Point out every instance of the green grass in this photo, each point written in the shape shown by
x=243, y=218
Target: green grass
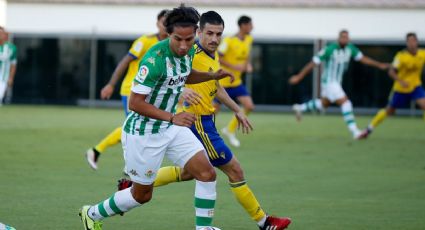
x=311, y=171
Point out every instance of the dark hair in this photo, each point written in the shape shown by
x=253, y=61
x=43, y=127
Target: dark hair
x=244, y=20
x=161, y=14
x=343, y=31
x=181, y=17
x=411, y=34
x=210, y=17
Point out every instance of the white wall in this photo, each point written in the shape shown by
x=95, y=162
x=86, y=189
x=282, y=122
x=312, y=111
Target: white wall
x=286, y=23
x=3, y=13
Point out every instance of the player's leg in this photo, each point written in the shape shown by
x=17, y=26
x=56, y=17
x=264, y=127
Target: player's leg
x=314, y=105
x=186, y=151
x=347, y=113
x=242, y=96
x=3, y=87
x=143, y=158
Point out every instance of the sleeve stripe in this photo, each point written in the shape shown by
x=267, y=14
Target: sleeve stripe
x=132, y=55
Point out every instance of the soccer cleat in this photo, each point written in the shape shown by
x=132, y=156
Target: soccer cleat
x=298, y=111
x=88, y=223
x=276, y=223
x=92, y=155
x=124, y=183
x=231, y=136
x=209, y=228
x=364, y=134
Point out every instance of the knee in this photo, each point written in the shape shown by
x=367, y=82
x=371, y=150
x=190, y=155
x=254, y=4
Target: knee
x=250, y=107
x=185, y=175
x=141, y=197
x=207, y=175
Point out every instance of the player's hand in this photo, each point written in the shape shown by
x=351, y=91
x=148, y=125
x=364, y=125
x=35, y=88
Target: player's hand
x=184, y=119
x=191, y=97
x=294, y=79
x=220, y=74
x=240, y=67
x=106, y=92
x=384, y=66
x=403, y=84
x=243, y=122
x=249, y=68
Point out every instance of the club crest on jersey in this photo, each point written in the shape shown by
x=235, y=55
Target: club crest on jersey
x=149, y=173
x=143, y=73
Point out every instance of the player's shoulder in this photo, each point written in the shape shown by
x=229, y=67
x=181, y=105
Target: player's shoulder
x=159, y=50
x=421, y=52
x=332, y=45
x=11, y=45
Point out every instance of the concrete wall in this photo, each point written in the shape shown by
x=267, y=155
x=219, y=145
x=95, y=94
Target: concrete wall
x=270, y=23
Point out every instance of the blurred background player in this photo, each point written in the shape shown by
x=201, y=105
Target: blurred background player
x=336, y=57
x=152, y=130
x=406, y=71
x=235, y=57
x=129, y=63
x=8, y=62
x=207, y=59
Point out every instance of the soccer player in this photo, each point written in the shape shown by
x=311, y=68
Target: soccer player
x=129, y=63
x=406, y=71
x=235, y=57
x=152, y=130
x=207, y=59
x=336, y=57
x=8, y=61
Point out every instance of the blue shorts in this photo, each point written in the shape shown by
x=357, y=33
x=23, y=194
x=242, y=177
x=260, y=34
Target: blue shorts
x=124, y=100
x=401, y=100
x=238, y=91
x=204, y=129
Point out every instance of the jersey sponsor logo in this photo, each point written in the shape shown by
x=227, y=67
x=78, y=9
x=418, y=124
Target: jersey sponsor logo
x=143, y=73
x=179, y=80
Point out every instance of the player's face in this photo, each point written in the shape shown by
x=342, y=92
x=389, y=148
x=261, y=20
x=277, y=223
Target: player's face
x=3, y=36
x=182, y=39
x=412, y=43
x=161, y=27
x=343, y=39
x=247, y=28
x=210, y=36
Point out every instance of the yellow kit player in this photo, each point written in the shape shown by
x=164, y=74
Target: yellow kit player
x=235, y=57
x=129, y=62
x=207, y=60
x=406, y=71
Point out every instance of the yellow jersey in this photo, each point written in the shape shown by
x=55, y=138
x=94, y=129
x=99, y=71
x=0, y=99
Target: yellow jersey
x=235, y=51
x=409, y=69
x=203, y=62
x=137, y=51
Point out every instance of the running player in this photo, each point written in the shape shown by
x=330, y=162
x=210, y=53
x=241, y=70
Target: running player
x=8, y=61
x=406, y=71
x=129, y=63
x=336, y=57
x=235, y=57
x=206, y=59
x=152, y=131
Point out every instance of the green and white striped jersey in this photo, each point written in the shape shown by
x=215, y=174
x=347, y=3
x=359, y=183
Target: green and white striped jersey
x=336, y=60
x=7, y=58
x=161, y=76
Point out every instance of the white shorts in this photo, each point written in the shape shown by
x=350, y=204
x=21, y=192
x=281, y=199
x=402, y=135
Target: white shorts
x=143, y=155
x=3, y=87
x=332, y=92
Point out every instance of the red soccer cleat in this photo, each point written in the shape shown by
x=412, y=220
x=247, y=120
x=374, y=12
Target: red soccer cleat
x=124, y=183
x=276, y=223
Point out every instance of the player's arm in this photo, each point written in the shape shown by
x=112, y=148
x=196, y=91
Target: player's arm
x=119, y=71
x=392, y=72
x=224, y=98
x=242, y=67
x=196, y=77
x=371, y=62
x=295, y=79
x=138, y=104
x=12, y=75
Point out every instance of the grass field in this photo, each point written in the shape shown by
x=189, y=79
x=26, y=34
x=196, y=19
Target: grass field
x=311, y=171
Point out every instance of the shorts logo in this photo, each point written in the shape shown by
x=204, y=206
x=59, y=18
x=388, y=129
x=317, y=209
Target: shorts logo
x=149, y=173
x=223, y=155
x=143, y=73
x=133, y=172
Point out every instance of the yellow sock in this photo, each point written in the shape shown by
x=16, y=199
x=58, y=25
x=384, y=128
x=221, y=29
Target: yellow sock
x=112, y=139
x=167, y=175
x=379, y=117
x=233, y=124
x=248, y=201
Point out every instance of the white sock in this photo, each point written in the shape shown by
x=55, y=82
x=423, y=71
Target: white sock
x=348, y=115
x=262, y=221
x=122, y=201
x=205, y=196
x=312, y=105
